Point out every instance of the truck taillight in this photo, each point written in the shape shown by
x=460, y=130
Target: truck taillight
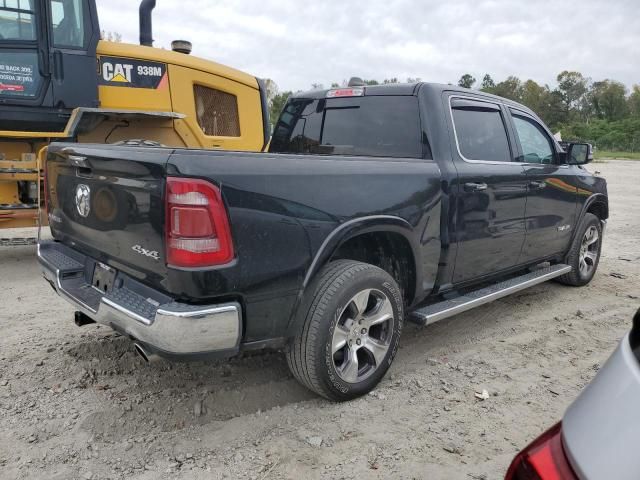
x=543, y=459
x=197, y=228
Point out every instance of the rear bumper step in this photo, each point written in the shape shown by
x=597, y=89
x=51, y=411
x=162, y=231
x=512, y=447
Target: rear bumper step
x=448, y=308
x=169, y=328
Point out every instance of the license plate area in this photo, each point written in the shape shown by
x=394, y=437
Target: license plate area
x=103, y=277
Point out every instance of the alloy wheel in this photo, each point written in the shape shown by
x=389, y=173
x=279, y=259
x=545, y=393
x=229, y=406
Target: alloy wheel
x=362, y=335
x=589, y=251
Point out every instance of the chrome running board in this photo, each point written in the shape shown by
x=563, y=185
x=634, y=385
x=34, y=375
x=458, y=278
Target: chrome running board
x=447, y=308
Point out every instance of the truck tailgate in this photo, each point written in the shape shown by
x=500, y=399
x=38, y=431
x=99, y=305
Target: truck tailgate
x=108, y=206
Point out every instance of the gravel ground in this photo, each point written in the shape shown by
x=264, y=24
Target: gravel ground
x=77, y=403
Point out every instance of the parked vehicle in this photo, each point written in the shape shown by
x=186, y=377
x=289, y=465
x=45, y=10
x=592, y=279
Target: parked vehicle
x=596, y=438
x=59, y=81
x=372, y=205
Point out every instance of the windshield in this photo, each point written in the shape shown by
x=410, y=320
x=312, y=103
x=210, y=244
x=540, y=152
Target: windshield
x=17, y=20
x=377, y=126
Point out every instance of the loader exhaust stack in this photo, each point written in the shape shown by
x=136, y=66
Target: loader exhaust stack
x=146, y=23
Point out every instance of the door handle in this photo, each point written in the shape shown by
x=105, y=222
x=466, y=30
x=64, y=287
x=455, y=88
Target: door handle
x=534, y=185
x=474, y=187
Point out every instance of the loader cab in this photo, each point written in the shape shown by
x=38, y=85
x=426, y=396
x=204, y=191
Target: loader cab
x=47, y=62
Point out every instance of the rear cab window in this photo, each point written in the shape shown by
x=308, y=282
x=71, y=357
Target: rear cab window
x=376, y=126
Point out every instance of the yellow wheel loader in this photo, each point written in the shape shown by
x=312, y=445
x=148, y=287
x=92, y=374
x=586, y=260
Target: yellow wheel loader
x=60, y=82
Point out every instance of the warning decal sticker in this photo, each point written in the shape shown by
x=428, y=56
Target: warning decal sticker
x=126, y=72
x=18, y=74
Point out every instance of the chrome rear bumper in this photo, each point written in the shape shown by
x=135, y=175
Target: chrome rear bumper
x=150, y=317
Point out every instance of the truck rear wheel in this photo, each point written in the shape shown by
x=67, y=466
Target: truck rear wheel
x=350, y=332
x=585, y=252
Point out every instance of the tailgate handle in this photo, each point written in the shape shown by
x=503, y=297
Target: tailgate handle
x=78, y=161
x=74, y=159
x=475, y=187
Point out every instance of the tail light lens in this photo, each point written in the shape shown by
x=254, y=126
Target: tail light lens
x=543, y=459
x=197, y=230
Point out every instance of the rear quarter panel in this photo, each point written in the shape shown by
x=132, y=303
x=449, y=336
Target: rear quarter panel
x=288, y=213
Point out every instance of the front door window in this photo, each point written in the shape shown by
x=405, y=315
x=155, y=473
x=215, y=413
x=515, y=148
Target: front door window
x=68, y=24
x=536, y=147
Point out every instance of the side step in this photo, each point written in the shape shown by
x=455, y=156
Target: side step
x=447, y=308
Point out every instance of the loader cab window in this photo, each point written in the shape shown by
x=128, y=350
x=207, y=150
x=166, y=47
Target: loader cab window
x=17, y=20
x=67, y=18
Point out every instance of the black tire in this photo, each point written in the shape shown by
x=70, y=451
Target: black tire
x=578, y=277
x=332, y=301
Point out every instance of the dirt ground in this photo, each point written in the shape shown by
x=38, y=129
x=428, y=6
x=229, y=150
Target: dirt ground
x=77, y=403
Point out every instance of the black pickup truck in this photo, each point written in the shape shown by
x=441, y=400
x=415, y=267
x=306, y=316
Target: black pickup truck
x=373, y=205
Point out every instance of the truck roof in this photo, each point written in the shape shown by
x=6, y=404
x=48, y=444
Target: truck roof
x=411, y=89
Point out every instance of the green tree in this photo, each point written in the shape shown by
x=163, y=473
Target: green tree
x=634, y=101
x=608, y=100
x=466, y=81
x=271, y=88
x=510, y=88
x=276, y=105
x=487, y=84
x=573, y=87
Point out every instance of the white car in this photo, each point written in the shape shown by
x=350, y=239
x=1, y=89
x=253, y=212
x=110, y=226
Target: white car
x=597, y=438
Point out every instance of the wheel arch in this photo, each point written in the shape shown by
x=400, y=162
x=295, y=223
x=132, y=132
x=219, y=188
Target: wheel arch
x=379, y=226
x=597, y=204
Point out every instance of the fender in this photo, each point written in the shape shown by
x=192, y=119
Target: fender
x=346, y=231
x=596, y=197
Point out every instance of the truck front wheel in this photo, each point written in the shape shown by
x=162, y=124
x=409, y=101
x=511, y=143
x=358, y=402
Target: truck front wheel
x=350, y=332
x=584, y=254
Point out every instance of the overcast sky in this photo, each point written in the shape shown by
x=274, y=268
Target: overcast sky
x=297, y=43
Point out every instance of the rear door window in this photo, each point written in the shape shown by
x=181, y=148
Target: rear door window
x=377, y=126
x=480, y=132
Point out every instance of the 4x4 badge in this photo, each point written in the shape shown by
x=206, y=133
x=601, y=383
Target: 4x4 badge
x=147, y=253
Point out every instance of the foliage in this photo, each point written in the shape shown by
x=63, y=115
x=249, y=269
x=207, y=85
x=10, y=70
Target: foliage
x=602, y=112
x=111, y=36
x=276, y=105
x=466, y=81
x=606, y=154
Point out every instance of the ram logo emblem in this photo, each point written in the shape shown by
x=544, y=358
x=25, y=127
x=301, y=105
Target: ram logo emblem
x=83, y=200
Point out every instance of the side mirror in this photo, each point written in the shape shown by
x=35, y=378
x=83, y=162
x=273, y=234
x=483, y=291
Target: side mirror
x=579, y=153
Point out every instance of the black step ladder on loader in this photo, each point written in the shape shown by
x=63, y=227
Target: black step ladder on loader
x=448, y=308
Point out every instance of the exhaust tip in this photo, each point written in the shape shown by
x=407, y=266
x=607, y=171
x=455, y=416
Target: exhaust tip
x=144, y=354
